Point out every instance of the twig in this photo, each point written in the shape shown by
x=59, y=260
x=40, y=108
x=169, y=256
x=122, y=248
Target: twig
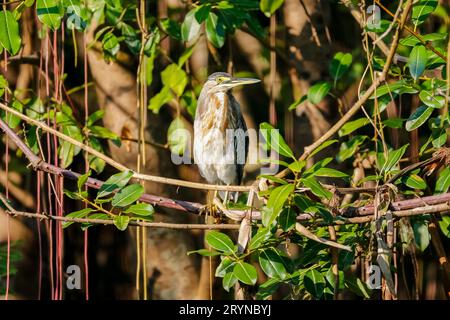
x=119, y=166
x=355, y=108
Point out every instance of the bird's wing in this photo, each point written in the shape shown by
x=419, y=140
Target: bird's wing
x=240, y=124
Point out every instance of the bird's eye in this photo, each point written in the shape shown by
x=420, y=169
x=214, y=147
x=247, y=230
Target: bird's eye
x=221, y=79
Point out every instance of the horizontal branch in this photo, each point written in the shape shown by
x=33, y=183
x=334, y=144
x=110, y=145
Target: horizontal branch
x=187, y=226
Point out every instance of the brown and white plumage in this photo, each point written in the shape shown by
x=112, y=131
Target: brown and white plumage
x=220, y=132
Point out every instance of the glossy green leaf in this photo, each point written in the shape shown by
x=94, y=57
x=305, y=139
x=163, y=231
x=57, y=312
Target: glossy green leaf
x=418, y=118
x=421, y=235
x=121, y=222
x=287, y=219
x=82, y=180
x=229, y=280
x=225, y=266
x=329, y=172
x=220, y=241
x=348, y=149
x=111, y=44
x=277, y=198
x=3, y=82
x=127, y=195
x=141, y=209
x=12, y=120
x=417, y=61
x=116, y=181
x=77, y=214
x=339, y=65
x=275, y=140
x=322, y=146
x=161, y=98
x=9, y=33
x=351, y=126
x=215, y=30
x=258, y=239
x=317, y=188
x=245, y=272
x=270, y=6
x=314, y=283
x=190, y=28
x=415, y=182
x=394, y=158
x=443, y=181
x=272, y=263
x=205, y=253
x=444, y=224
x=431, y=100
x=175, y=78
x=50, y=13
x=421, y=10
x=177, y=136
x=318, y=91
x=358, y=287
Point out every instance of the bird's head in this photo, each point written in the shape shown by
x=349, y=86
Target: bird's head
x=222, y=82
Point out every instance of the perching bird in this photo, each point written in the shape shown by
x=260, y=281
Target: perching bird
x=220, y=133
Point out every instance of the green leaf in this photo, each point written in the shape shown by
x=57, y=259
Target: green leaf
x=297, y=102
x=287, y=219
x=431, y=100
x=277, y=198
x=351, y=126
x=272, y=263
x=95, y=116
x=314, y=283
x=317, y=188
x=3, y=81
x=322, y=146
x=229, y=280
x=329, y=172
x=190, y=27
x=177, y=136
x=82, y=180
x=415, y=182
x=220, y=241
x=225, y=266
x=215, y=30
x=116, y=181
x=259, y=238
x=205, y=253
x=358, y=287
x=12, y=120
x=318, y=91
x=121, y=222
x=50, y=13
x=275, y=140
x=421, y=10
x=418, y=118
x=127, y=195
x=394, y=158
x=267, y=289
x=339, y=65
x=186, y=55
x=158, y=100
x=443, y=181
x=77, y=214
x=270, y=6
x=444, y=224
x=245, y=272
x=348, y=149
x=417, y=61
x=395, y=123
x=100, y=216
x=421, y=235
x=111, y=44
x=297, y=166
x=141, y=209
x=174, y=78
x=9, y=32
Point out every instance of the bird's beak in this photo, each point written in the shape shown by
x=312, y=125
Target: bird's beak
x=234, y=82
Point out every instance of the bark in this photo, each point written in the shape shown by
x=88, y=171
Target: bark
x=172, y=274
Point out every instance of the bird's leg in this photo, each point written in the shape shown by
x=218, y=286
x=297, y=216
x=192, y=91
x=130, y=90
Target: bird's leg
x=211, y=195
x=225, y=198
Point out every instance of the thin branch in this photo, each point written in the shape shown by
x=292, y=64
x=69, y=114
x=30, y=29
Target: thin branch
x=119, y=166
x=355, y=108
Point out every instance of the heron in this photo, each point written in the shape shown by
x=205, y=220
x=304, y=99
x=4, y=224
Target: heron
x=220, y=132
